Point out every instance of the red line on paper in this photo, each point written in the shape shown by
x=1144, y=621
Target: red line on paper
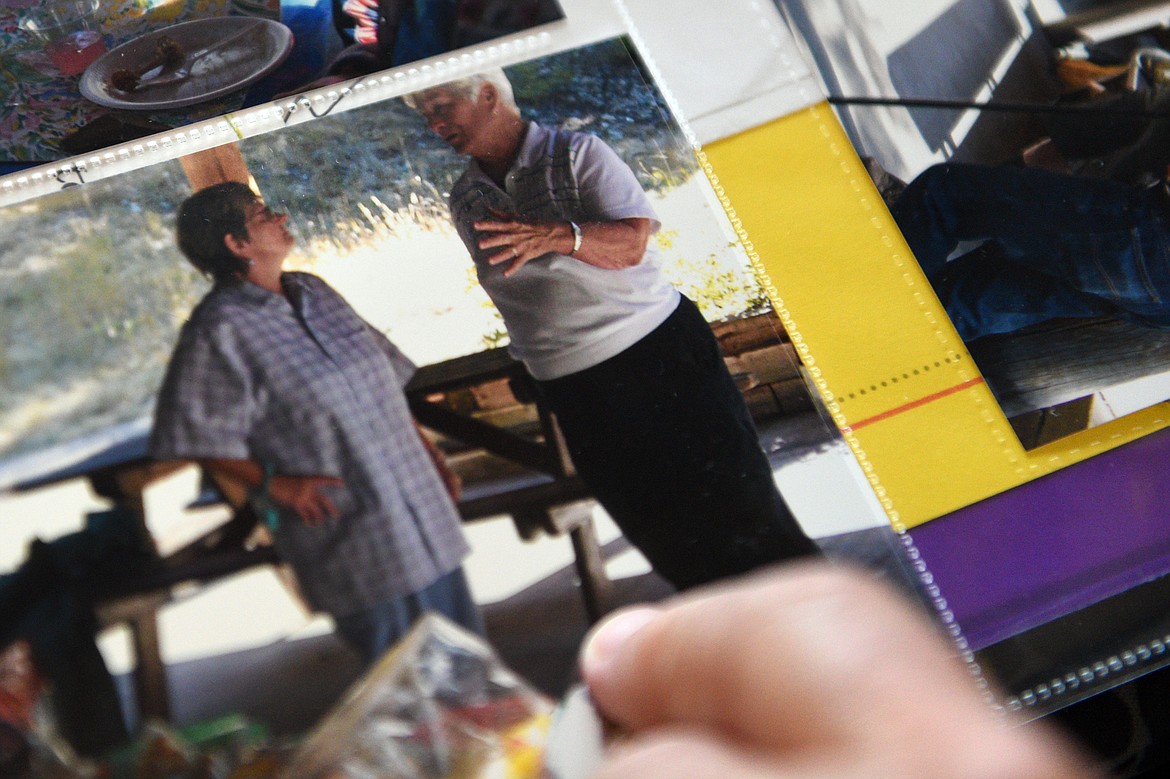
x=914, y=404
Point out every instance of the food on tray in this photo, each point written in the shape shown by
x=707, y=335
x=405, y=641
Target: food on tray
x=167, y=55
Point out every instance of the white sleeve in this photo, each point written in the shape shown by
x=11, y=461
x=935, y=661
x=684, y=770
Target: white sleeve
x=608, y=189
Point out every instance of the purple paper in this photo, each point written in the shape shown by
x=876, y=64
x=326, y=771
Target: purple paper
x=1056, y=544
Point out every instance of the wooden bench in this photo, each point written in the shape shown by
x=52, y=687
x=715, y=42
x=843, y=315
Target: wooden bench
x=534, y=509
x=541, y=506
x=549, y=499
x=1043, y=376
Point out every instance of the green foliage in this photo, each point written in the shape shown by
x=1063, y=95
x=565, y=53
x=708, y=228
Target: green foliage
x=496, y=338
x=93, y=290
x=94, y=294
x=324, y=169
x=720, y=288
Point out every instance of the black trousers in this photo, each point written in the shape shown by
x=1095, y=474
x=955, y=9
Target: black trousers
x=663, y=438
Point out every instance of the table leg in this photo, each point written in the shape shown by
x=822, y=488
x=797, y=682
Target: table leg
x=150, y=676
x=595, y=583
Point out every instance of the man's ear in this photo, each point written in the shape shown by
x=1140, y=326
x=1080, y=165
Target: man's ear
x=489, y=94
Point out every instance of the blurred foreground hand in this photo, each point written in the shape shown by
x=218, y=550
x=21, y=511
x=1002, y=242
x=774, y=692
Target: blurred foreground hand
x=802, y=671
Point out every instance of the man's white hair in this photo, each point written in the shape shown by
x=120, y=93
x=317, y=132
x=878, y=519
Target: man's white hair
x=468, y=88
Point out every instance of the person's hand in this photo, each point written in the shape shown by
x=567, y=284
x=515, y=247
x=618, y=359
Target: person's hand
x=518, y=241
x=306, y=496
x=802, y=671
x=452, y=481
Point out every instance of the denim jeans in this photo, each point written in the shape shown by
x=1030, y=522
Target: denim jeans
x=1060, y=246
x=374, y=630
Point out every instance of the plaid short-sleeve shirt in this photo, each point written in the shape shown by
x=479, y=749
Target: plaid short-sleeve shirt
x=303, y=384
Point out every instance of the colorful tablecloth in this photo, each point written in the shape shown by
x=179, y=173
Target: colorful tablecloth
x=39, y=105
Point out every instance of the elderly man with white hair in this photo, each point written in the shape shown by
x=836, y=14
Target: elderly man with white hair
x=558, y=227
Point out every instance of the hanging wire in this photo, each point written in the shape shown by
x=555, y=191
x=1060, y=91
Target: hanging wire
x=1007, y=107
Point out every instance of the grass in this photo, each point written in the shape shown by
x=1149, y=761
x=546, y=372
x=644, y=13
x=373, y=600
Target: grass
x=93, y=291
x=88, y=320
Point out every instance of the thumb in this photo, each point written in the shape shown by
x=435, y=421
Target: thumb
x=807, y=659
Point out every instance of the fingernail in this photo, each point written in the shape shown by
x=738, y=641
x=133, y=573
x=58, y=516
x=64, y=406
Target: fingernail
x=607, y=639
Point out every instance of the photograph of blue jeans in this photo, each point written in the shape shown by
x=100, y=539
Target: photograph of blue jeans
x=1061, y=246
x=370, y=632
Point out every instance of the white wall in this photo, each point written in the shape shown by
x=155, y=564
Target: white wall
x=967, y=50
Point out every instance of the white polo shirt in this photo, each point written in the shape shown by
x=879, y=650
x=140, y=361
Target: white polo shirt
x=564, y=315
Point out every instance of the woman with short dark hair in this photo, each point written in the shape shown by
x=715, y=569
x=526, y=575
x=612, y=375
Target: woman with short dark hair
x=278, y=383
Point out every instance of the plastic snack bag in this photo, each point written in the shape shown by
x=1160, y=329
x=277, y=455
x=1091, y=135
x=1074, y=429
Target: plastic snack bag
x=440, y=705
x=577, y=739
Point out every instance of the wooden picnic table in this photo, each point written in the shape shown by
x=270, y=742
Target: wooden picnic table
x=547, y=496
x=532, y=502
x=122, y=471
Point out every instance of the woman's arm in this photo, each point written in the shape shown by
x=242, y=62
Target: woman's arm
x=451, y=480
x=303, y=494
